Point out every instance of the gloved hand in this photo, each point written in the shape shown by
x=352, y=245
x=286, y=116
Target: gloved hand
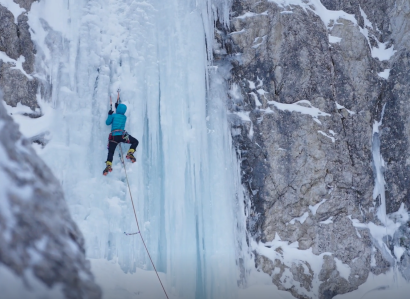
x=110, y=112
x=116, y=105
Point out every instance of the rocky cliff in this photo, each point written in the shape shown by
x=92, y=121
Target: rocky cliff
x=17, y=59
x=38, y=241
x=41, y=249
x=319, y=112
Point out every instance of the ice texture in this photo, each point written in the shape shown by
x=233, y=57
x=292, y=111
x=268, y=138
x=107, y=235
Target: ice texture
x=186, y=180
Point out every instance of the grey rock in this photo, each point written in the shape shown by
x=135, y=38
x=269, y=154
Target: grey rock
x=17, y=87
x=36, y=229
x=15, y=40
x=8, y=34
x=26, y=45
x=292, y=161
x=26, y=4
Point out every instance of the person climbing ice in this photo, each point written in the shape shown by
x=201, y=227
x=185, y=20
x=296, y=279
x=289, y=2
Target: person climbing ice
x=118, y=134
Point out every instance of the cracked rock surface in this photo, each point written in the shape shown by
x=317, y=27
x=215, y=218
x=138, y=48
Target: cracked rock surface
x=18, y=86
x=304, y=98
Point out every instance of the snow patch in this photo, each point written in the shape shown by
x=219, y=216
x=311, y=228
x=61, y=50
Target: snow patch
x=290, y=255
x=315, y=6
x=398, y=252
x=244, y=115
x=331, y=17
x=252, y=14
x=262, y=92
x=255, y=97
x=327, y=221
x=297, y=107
x=334, y=39
x=328, y=136
x=260, y=82
x=237, y=32
x=251, y=84
x=259, y=43
x=316, y=206
x=339, y=107
x=18, y=64
x=344, y=270
x=31, y=127
x=301, y=219
x=385, y=74
x=235, y=92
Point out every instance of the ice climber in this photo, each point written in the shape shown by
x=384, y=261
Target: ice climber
x=118, y=134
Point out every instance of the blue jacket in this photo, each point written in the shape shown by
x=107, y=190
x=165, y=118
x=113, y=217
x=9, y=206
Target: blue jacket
x=117, y=120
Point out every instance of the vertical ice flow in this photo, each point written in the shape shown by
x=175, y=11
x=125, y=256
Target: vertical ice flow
x=185, y=183
x=379, y=165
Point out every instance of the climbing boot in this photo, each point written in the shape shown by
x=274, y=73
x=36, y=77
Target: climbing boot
x=130, y=155
x=108, y=168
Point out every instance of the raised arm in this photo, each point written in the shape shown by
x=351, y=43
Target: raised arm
x=118, y=98
x=109, y=118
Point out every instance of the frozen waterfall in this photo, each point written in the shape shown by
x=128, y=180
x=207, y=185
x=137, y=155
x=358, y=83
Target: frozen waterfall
x=185, y=183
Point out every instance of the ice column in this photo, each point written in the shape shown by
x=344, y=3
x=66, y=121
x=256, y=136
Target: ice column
x=185, y=184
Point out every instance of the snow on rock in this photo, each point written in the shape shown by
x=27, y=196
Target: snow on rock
x=292, y=258
x=300, y=107
x=385, y=74
x=334, y=39
x=13, y=7
x=328, y=136
x=316, y=206
x=301, y=219
x=41, y=248
x=311, y=174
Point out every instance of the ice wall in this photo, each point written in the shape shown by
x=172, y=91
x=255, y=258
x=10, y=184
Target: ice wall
x=185, y=183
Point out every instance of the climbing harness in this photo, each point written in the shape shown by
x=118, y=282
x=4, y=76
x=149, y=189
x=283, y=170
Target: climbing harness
x=136, y=220
x=124, y=136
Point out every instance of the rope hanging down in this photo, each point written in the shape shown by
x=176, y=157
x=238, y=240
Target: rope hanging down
x=136, y=220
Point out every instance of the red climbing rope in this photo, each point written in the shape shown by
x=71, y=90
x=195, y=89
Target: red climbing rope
x=136, y=220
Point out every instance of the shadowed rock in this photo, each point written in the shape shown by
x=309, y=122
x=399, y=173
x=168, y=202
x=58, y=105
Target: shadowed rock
x=37, y=234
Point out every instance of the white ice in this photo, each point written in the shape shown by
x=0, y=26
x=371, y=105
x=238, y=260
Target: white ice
x=185, y=184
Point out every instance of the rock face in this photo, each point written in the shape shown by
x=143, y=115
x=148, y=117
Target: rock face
x=37, y=235
x=18, y=86
x=26, y=4
x=305, y=95
x=39, y=240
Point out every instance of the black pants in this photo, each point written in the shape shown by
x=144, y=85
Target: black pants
x=118, y=138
